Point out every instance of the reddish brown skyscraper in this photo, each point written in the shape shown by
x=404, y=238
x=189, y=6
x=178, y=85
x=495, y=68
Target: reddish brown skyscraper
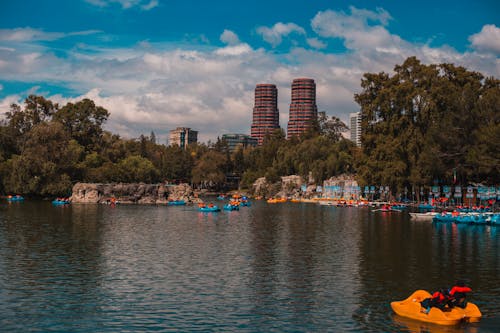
x=303, y=107
x=265, y=111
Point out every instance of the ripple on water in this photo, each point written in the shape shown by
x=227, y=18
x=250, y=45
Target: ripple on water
x=282, y=268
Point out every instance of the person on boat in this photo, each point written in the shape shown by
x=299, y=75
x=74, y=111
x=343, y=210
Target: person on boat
x=457, y=295
x=438, y=300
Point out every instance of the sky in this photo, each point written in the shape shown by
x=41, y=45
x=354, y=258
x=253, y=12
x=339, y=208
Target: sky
x=159, y=64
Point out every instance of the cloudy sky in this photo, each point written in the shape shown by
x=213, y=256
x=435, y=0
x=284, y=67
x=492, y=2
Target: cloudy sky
x=159, y=64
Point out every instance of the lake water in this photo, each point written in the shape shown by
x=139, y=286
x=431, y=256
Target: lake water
x=266, y=268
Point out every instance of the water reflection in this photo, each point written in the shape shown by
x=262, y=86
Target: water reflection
x=290, y=267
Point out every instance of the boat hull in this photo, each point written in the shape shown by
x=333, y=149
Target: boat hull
x=411, y=308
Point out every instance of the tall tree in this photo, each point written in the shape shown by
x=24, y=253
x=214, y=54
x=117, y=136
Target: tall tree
x=83, y=121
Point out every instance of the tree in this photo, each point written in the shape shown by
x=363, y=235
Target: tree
x=424, y=123
x=137, y=169
x=83, y=121
x=207, y=171
x=46, y=163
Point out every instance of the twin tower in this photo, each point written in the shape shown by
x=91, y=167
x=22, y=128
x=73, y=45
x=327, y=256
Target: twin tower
x=303, y=109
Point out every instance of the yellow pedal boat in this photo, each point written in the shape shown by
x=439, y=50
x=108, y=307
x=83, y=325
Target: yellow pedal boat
x=411, y=308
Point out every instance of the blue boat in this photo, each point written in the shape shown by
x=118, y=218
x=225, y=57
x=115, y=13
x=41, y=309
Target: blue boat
x=176, y=203
x=494, y=219
x=58, y=202
x=445, y=217
x=209, y=209
x=231, y=207
x=245, y=203
x=15, y=198
x=426, y=206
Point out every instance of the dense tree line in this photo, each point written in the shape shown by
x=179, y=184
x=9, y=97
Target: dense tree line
x=425, y=124
x=429, y=124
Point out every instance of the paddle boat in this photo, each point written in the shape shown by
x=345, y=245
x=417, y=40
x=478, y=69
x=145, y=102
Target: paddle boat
x=445, y=217
x=399, y=207
x=426, y=206
x=15, y=198
x=208, y=208
x=61, y=201
x=176, y=203
x=276, y=200
x=494, y=219
x=386, y=208
x=245, y=203
x=471, y=218
x=231, y=206
x=411, y=308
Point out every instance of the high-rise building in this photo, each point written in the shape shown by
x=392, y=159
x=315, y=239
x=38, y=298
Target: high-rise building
x=303, y=109
x=355, y=120
x=239, y=140
x=183, y=136
x=265, y=111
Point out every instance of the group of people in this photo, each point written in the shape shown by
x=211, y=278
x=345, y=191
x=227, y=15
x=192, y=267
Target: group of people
x=445, y=297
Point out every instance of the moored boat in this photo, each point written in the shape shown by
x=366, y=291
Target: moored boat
x=176, y=203
x=276, y=200
x=428, y=216
x=209, y=208
x=60, y=201
x=14, y=198
x=231, y=207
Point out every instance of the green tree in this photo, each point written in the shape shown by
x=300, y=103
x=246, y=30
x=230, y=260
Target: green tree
x=208, y=170
x=83, y=121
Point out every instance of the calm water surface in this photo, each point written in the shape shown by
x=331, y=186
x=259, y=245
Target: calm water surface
x=266, y=268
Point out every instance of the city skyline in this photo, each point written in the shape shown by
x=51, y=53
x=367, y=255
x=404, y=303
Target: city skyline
x=157, y=65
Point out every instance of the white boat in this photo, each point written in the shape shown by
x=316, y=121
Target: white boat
x=428, y=216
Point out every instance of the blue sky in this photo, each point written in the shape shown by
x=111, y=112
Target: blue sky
x=159, y=64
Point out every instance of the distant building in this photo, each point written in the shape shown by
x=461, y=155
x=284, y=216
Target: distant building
x=265, y=111
x=239, y=140
x=355, y=122
x=303, y=109
x=183, y=137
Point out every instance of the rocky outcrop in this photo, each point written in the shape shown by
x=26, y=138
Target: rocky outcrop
x=288, y=187
x=293, y=187
x=136, y=193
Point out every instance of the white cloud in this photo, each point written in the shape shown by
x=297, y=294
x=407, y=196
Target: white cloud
x=275, y=34
x=316, y=43
x=148, y=6
x=235, y=50
x=154, y=87
x=29, y=34
x=229, y=37
x=487, y=40
x=355, y=29
x=126, y=4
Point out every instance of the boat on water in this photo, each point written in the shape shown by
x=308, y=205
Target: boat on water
x=245, y=203
x=231, y=207
x=428, y=216
x=14, y=198
x=411, y=308
x=176, y=203
x=59, y=202
x=424, y=206
x=276, y=200
x=209, y=208
x=493, y=219
x=386, y=208
x=466, y=218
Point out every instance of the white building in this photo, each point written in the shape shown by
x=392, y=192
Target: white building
x=355, y=122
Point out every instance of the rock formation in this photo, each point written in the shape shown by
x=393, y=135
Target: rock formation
x=137, y=193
